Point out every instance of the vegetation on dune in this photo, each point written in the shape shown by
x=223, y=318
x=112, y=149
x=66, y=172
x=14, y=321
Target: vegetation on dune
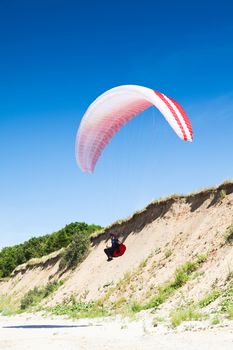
x=227, y=302
x=167, y=253
x=78, y=309
x=192, y=311
x=229, y=235
x=222, y=194
x=184, y=314
x=122, y=305
x=76, y=251
x=36, y=295
x=209, y=298
x=181, y=276
x=36, y=247
x=8, y=306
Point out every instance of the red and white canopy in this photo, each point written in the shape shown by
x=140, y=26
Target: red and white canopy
x=111, y=110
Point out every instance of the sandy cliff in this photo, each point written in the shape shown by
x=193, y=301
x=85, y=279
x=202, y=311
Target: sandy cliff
x=163, y=236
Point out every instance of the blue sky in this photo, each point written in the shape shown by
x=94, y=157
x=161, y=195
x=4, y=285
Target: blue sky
x=56, y=57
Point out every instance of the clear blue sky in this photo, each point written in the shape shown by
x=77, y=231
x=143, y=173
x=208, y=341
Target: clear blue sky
x=57, y=56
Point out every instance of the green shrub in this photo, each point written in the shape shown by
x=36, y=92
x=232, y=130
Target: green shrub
x=215, y=321
x=168, y=252
x=31, y=298
x=182, y=274
x=184, y=314
x=76, y=251
x=201, y=259
x=227, y=307
x=136, y=307
x=222, y=194
x=7, y=305
x=181, y=277
x=227, y=302
x=118, y=303
x=230, y=312
x=35, y=295
x=157, y=300
x=78, y=309
x=209, y=298
x=229, y=235
x=143, y=263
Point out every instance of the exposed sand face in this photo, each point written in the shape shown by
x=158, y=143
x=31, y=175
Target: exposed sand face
x=27, y=332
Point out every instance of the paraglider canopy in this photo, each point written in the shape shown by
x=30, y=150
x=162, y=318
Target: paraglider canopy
x=111, y=110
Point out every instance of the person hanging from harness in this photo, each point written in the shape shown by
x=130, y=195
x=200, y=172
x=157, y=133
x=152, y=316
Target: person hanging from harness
x=109, y=251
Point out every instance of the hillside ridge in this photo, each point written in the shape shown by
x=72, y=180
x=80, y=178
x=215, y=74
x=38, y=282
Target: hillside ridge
x=159, y=207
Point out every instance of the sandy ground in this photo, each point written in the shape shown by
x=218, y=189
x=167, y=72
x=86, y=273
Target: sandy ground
x=25, y=332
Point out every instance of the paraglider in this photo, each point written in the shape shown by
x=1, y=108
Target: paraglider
x=117, y=249
x=114, y=108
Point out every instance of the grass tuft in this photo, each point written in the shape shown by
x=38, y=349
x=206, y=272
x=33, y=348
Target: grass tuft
x=222, y=194
x=7, y=305
x=167, y=253
x=227, y=302
x=136, y=307
x=209, y=298
x=229, y=235
x=184, y=314
x=215, y=321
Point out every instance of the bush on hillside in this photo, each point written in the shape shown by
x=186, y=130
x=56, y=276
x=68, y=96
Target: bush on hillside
x=76, y=251
x=35, y=295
